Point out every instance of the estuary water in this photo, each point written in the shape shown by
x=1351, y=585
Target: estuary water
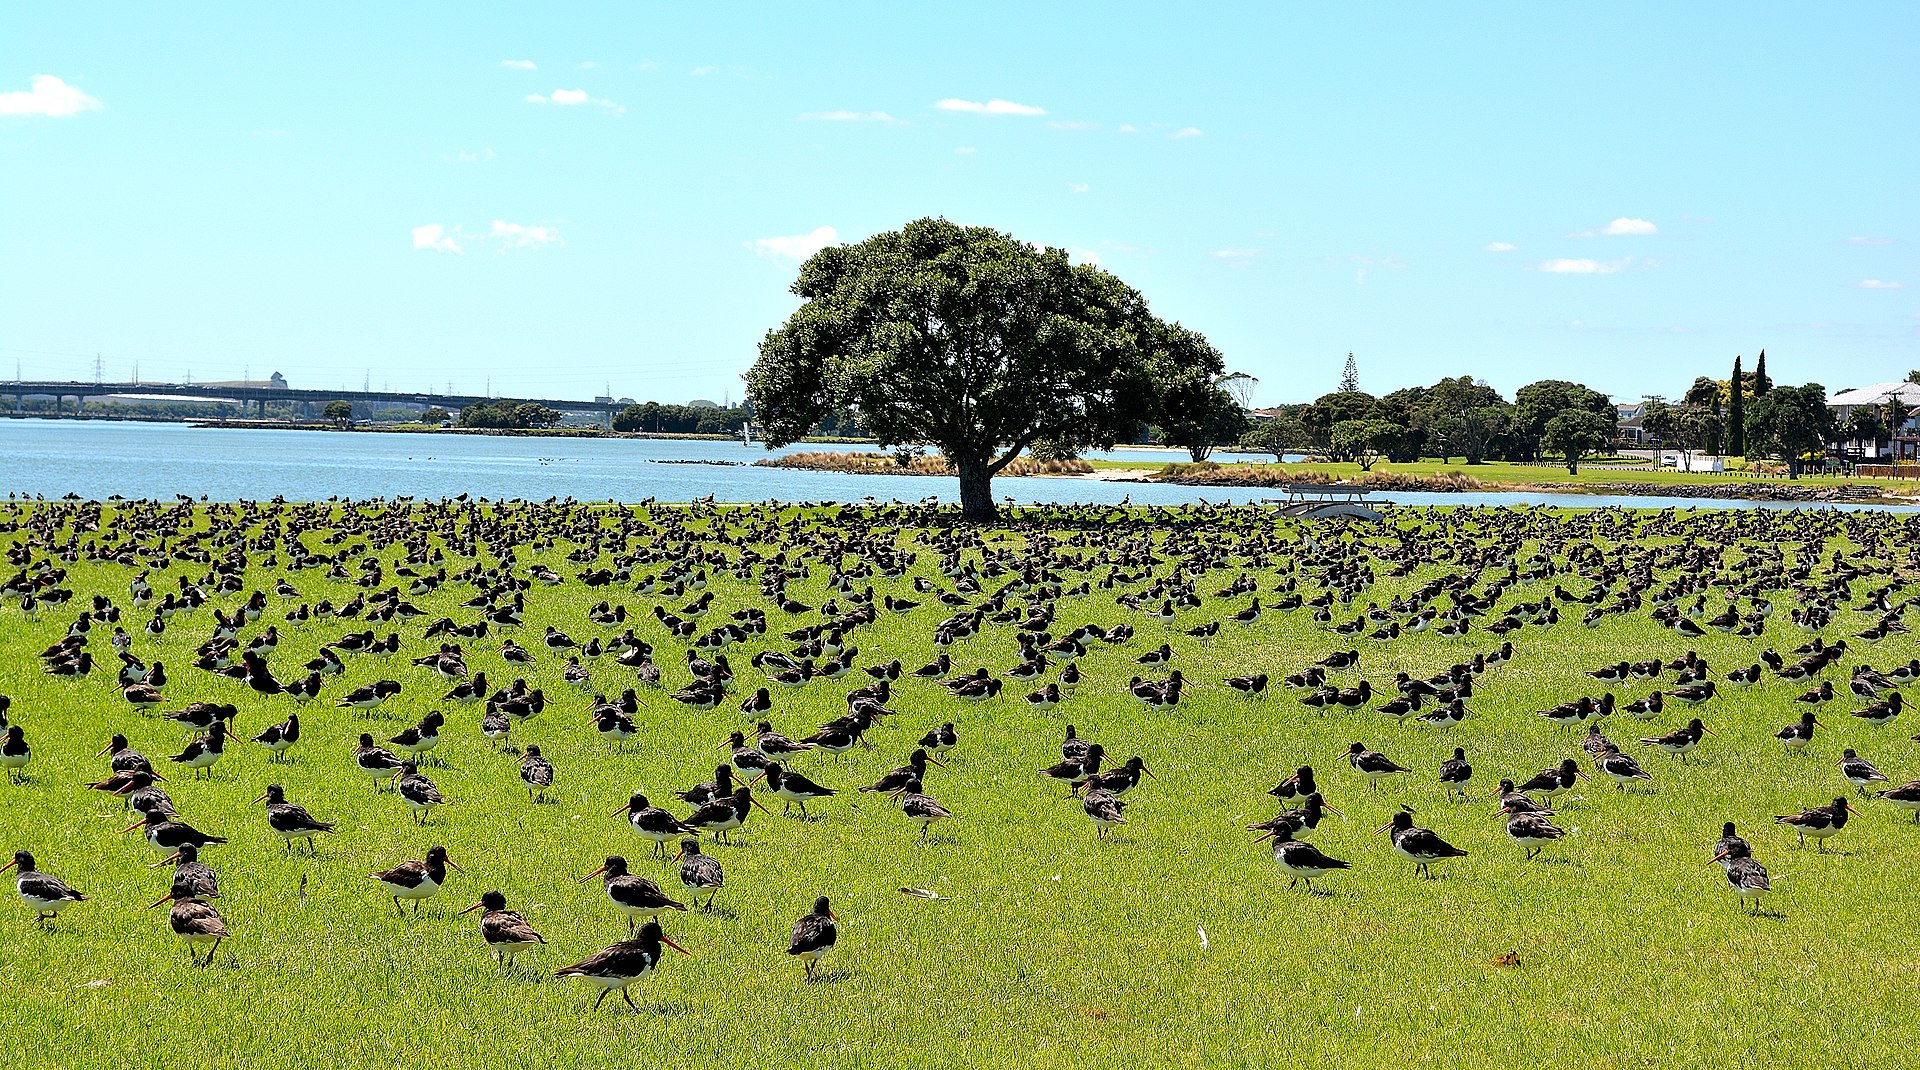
x=97, y=460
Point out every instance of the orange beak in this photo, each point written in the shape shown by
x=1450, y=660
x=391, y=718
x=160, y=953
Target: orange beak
x=455, y=866
x=936, y=761
x=1149, y=772
x=1383, y=828
x=1851, y=810
x=669, y=942
x=470, y=909
x=103, y=750
x=170, y=858
x=262, y=798
x=160, y=900
x=623, y=808
x=1715, y=858
x=6, y=867
x=1708, y=731
x=760, y=804
x=133, y=826
x=592, y=875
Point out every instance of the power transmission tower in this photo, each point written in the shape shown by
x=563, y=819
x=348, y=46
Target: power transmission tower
x=98, y=375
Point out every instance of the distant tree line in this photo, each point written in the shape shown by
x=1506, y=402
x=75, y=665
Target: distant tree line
x=507, y=414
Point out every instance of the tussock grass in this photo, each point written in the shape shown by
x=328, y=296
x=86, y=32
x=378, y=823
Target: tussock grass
x=927, y=464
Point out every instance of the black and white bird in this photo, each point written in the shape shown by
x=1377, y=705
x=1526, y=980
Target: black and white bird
x=633, y=896
x=1455, y=772
x=1746, y=878
x=1858, y=771
x=623, y=963
x=537, y=772
x=699, y=873
x=505, y=932
x=280, y=738
x=417, y=880
x=1373, y=765
x=1820, y=822
x=651, y=822
x=198, y=925
x=419, y=793
x=46, y=895
x=1531, y=830
x=291, y=822
x=1302, y=861
x=814, y=935
x=1421, y=846
x=1105, y=809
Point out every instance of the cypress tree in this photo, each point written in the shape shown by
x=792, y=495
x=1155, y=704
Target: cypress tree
x=1760, y=384
x=1736, y=415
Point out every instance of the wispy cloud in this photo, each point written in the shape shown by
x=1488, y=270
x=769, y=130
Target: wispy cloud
x=1078, y=187
x=435, y=238
x=845, y=116
x=1498, y=247
x=1623, y=227
x=574, y=98
x=1236, y=257
x=991, y=107
x=521, y=236
x=48, y=96
x=519, y=64
x=464, y=156
x=1581, y=266
x=1186, y=132
x=1879, y=284
x=1869, y=241
x=792, y=248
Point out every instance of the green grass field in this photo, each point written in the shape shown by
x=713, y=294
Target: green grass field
x=1172, y=942
x=1509, y=474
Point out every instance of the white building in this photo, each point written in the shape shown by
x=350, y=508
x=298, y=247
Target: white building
x=1905, y=444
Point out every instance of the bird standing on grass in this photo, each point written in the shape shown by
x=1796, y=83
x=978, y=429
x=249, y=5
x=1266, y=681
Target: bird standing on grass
x=623, y=963
x=44, y=893
x=814, y=935
x=505, y=932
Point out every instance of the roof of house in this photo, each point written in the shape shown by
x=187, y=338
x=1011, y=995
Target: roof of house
x=1874, y=395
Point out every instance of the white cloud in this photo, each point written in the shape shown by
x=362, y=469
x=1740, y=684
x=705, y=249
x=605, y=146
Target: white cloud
x=587, y=64
x=49, y=96
x=965, y=150
x=1567, y=266
x=795, y=247
x=463, y=156
x=1869, y=241
x=1237, y=257
x=1128, y=128
x=1627, y=226
x=1498, y=247
x=1878, y=284
x=573, y=98
x=991, y=107
x=1186, y=132
x=844, y=116
x=435, y=237
x=1078, y=187
x=519, y=64
x=521, y=236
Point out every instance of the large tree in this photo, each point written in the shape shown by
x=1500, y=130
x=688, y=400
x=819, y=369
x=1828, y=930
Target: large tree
x=1574, y=433
x=1790, y=421
x=1277, y=436
x=1536, y=404
x=1197, y=415
x=974, y=341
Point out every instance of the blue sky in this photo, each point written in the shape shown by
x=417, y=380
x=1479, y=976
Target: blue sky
x=543, y=201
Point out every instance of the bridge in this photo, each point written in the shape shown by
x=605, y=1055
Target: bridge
x=306, y=403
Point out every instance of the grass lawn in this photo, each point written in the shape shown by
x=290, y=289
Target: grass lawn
x=1508, y=473
x=1172, y=942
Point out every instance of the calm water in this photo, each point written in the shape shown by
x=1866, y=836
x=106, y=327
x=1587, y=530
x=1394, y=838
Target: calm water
x=97, y=460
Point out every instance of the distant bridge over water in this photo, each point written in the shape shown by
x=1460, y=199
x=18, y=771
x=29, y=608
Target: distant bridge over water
x=306, y=403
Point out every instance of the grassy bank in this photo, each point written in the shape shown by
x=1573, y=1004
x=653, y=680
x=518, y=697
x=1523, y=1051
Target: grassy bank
x=922, y=465
x=1172, y=942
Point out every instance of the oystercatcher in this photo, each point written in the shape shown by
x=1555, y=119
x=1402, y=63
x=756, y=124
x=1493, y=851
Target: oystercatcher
x=1302, y=861
x=651, y=822
x=1681, y=740
x=915, y=769
x=1746, y=877
x=1455, y=772
x=1551, y=782
x=1905, y=797
x=197, y=924
x=537, y=772
x=191, y=877
x=1796, y=736
x=281, y=738
x=420, y=794
x=633, y=896
x=699, y=872
x=1299, y=785
x=201, y=754
x=1373, y=765
x=623, y=963
x=814, y=935
x=505, y=932
x=166, y=832
x=1858, y=771
x=1820, y=822
x=15, y=754
x=1105, y=810
x=1421, y=846
x=921, y=807
x=376, y=761
x=723, y=814
x=793, y=788
x=291, y=822
x=1295, y=823
x=1531, y=830
x=46, y=894
x=417, y=880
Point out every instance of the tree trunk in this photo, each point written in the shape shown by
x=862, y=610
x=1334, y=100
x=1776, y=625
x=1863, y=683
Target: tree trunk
x=976, y=491
x=1573, y=463
x=1199, y=453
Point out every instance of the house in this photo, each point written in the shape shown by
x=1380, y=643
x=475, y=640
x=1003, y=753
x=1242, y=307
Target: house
x=1905, y=443
x=1627, y=419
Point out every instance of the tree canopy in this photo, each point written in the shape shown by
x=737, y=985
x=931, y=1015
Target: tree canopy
x=338, y=411
x=1537, y=404
x=974, y=341
x=1575, y=433
x=1790, y=422
x=508, y=414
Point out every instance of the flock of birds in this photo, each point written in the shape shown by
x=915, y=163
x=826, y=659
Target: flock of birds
x=680, y=588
